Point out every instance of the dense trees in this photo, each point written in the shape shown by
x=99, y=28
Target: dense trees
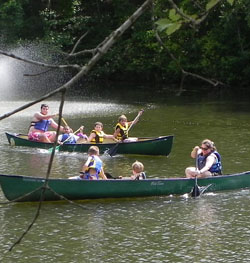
x=209, y=40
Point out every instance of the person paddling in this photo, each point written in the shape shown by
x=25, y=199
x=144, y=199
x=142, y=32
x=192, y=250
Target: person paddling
x=208, y=161
x=123, y=126
x=38, y=130
x=93, y=167
x=68, y=137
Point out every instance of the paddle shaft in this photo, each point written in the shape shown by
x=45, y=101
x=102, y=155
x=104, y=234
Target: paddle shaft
x=196, y=189
x=70, y=136
x=65, y=123
x=135, y=120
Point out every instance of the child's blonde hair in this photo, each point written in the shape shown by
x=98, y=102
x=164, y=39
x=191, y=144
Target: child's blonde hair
x=122, y=118
x=93, y=150
x=138, y=167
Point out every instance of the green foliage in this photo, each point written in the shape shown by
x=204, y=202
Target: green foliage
x=211, y=4
x=11, y=18
x=218, y=48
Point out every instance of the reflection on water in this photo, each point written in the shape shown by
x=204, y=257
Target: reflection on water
x=213, y=228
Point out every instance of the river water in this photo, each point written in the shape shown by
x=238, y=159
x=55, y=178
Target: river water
x=212, y=228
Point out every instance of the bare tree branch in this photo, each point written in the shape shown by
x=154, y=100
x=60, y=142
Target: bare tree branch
x=184, y=72
x=78, y=42
x=194, y=22
x=39, y=63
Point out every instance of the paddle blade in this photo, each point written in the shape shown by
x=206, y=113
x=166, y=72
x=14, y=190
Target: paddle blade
x=109, y=176
x=195, y=191
x=112, y=151
x=56, y=149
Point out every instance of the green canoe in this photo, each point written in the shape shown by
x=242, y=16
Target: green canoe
x=23, y=188
x=149, y=146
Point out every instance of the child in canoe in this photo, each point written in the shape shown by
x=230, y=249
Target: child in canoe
x=123, y=126
x=93, y=167
x=138, y=172
x=68, y=137
x=97, y=135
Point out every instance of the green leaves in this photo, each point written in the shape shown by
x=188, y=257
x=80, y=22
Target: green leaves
x=211, y=4
x=170, y=24
x=231, y=2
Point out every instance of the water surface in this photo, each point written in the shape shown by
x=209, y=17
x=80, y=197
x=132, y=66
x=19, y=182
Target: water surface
x=213, y=228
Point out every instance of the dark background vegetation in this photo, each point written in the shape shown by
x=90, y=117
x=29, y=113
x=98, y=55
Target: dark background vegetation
x=218, y=49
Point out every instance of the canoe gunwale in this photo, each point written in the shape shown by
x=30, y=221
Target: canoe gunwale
x=42, y=179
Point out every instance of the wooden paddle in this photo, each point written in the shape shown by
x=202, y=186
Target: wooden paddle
x=64, y=122
x=58, y=146
x=113, y=150
x=109, y=176
x=198, y=190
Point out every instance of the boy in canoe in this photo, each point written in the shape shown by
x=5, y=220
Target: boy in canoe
x=97, y=135
x=123, y=126
x=93, y=167
x=38, y=130
x=138, y=172
x=68, y=137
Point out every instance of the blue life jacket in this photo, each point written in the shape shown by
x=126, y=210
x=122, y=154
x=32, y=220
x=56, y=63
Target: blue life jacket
x=42, y=125
x=215, y=168
x=72, y=139
x=95, y=163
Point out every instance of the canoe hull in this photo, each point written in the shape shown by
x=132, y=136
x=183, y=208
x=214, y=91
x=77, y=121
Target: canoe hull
x=23, y=188
x=150, y=146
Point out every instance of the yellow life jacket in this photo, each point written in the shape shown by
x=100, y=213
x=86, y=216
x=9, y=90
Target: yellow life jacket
x=123, y=134
x=98, y=136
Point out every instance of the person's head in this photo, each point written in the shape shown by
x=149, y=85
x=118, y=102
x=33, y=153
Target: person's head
x=98, y=126
x=207, y=146
x=44, y=109
x=122, y=120
x=93, y=150
x=137, y=167
x=67, y=129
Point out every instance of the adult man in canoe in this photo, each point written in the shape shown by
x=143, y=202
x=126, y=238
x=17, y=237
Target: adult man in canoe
x=38, y=130
x=208, y=161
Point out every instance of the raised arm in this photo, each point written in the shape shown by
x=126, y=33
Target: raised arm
x=196, y=150
x=55, y=125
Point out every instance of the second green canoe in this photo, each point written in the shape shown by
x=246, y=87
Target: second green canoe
x=148, y=146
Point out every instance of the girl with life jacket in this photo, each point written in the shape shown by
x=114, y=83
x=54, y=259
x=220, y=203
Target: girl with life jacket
x=208, y=161
x=97, y=135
